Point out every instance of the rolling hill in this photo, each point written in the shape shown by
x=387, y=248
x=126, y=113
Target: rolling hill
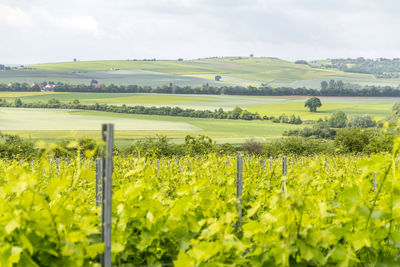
x=241, y=71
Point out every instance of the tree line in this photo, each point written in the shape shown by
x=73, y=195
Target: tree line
x=331, y=88
x=236, y=114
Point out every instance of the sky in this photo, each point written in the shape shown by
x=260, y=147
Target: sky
x=39, y=31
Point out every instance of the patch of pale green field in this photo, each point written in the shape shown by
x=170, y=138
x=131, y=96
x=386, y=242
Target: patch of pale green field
x=212, y=127
x=14, y=119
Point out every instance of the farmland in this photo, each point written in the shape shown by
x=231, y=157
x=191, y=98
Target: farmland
x=34, y=124
x=268, y=105
x=68, y=124
x=241, y=71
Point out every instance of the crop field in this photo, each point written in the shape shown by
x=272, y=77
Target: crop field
x=233, y=70
x=46, y=119
x=325, y=211
x=55, y=125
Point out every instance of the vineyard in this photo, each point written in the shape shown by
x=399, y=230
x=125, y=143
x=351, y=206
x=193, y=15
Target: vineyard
x=184, y=212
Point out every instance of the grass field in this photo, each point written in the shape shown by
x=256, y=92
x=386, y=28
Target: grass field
x=234, y=71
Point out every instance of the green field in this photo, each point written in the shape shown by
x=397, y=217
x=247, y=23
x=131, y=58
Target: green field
x=266, y=105
x=53, y=125
x=242, y=71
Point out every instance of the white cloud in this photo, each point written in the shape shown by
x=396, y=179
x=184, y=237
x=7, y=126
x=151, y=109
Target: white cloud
x=14, y=17
x=120, y=29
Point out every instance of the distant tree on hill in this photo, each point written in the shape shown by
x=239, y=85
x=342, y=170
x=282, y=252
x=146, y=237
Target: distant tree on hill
x=251, y=55
x=301, y=62
x=75, y=59
x=313, y=103
x=218, y=77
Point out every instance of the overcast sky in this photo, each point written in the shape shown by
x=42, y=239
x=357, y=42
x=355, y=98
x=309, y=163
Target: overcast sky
x=35, y=31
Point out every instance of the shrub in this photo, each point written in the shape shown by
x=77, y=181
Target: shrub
x=363, y=121
x=298, y=146
x=338, y=120
x=253, y=147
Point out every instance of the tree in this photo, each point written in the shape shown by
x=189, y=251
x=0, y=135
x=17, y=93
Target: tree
x=340, y=84
x=75, y=101
x=324, y=85
x=236, y=112
x=313, y=103
x=93, y=82
x=338, y=120
x=332, y=84
x=362, y=121
x=18, y=102
x=53, y=101
x=218, y=77
x=301, y=61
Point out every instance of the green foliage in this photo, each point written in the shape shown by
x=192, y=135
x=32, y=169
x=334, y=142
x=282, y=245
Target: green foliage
x=253, y=147
x=17, y=102
x=333, y=211
x=356, y=140
x=362, y=121
x=53, y=101
x=320, y=129
x=162, y=147
x=298, y=146
x=14, y=146
x=338, y=120
x=313, y=103
x=199, y=145
x=158, y=147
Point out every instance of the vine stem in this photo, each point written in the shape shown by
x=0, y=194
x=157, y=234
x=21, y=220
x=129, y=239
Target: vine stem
x=377, y=195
